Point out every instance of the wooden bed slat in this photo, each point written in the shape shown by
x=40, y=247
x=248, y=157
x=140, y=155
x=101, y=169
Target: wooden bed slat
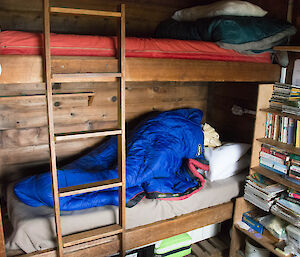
x=84, y=12
x=90, y=187
x=29, y=69
x=91, y=235
x=85, y=77
x=85, y=134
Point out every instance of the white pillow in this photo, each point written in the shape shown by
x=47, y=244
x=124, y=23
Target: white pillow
x=226, y=160
x=237, y=8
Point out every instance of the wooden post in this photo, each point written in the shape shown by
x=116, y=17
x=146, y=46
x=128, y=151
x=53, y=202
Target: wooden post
x=121, y=138
x=49, y=99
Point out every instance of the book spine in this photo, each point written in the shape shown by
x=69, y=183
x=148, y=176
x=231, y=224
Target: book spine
x=295, y=168
x=267, y=124
x=272, y=169
x=297, y=134
x=271, y=157
x=273, y=165
x=270, y=126
x=279, y=155
x=294, y=177
x=279, y=129
x=276, y=127
x=291, y=131
x=285, y=129
x=293, y=195
x=252, y=223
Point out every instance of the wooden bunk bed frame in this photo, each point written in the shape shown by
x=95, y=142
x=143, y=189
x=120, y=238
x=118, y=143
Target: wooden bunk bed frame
x=30, y=69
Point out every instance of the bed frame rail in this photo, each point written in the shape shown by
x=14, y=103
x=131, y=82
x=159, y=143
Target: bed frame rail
x=29, y=69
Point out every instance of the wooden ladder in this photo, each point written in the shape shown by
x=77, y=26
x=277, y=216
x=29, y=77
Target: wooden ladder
x=112, y=230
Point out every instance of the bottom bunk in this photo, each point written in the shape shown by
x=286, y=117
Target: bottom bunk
x=147, y=222
x=210, y=207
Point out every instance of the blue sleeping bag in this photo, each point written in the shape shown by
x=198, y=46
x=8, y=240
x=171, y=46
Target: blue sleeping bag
x=155, y=165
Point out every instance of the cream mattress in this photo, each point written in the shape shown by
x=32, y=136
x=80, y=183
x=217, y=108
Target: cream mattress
x=34, y=229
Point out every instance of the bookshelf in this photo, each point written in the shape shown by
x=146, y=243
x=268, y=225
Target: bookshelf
x=267, y=242
x=286, y=147
x=239, y=234
x=276, y=177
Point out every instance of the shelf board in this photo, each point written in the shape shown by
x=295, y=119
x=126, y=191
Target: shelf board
x=286, y=147
x=276, y=177
x=293, y=116
x=287, y=48
x=266, y=242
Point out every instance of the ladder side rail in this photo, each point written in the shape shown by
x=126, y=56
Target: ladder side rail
x=121, y=121
x=49, y=100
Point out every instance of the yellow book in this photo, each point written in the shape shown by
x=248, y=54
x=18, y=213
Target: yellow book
x=298, y=134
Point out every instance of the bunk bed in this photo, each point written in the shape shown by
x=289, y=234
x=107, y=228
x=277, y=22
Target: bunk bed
x=23, y=68
x=147, y=60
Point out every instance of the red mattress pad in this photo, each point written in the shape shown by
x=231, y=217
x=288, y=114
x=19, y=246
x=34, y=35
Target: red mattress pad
x=26, y=43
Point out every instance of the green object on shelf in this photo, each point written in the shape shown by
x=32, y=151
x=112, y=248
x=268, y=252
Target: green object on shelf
x=295, y=157
x=175, y=246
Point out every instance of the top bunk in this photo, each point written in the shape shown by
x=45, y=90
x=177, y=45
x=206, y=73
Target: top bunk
x=147, y=59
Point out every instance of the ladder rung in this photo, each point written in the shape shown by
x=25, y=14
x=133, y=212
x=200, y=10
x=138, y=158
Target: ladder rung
x=91, y=235
x=90, y=187
x=84, y=12
x=85, y=77
x=85, y=134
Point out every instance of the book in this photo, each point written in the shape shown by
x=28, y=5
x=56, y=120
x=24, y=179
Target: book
x=271, y=157
x=285, y=130
x=294, y=208
x=291, y=123
x=264, y=183
x=267, y=124
x=294, y=176
x=276, y=127
x=273, y=166
x=297, y=144
x=293, y=194
x=250, y=218
x=294, y=172
x=295, y=157
x=295, y=168
x=276, y=152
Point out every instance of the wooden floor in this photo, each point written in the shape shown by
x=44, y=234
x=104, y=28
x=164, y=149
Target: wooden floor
x=213, y=247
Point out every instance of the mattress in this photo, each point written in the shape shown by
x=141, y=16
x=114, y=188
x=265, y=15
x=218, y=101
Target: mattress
x=26, y=43
x=34, y=227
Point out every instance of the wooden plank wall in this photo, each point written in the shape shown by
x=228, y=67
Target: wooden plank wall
x=221, y=98
x=23, y=131
x=142, y=16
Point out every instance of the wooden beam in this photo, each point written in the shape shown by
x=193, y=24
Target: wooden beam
x=143, y=235
x=85, y=134
x=90, y=235
x=84, y=12
x=90, y=187
x=2, y=240
x=28, y=69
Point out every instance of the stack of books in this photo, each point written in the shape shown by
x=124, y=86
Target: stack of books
x=285, y=96
x=262, y=191
x=288, y=210
x=294, y=169
x=274, y=159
